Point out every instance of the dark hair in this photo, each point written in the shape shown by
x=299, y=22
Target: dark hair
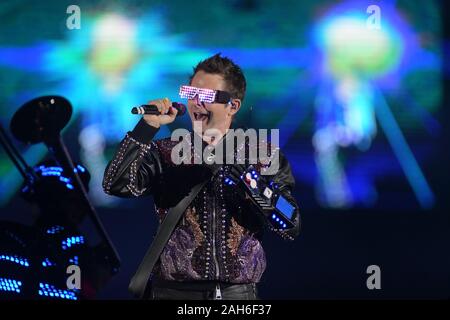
x=231, y=73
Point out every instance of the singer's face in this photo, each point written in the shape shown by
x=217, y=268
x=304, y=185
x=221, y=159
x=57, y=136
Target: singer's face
x=209, y=115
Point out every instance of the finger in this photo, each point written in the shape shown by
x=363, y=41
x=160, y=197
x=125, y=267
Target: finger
x=166, y=105
x=160, y=106
x=173, y=112
x=167, y=102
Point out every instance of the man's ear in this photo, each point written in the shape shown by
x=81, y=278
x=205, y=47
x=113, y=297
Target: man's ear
x=235, y=105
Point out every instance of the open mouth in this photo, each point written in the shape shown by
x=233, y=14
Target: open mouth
x=198, y=116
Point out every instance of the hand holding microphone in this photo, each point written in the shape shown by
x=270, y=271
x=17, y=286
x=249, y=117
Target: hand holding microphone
x=160, y=112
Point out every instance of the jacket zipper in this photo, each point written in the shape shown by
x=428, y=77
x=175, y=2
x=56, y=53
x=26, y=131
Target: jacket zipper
x=217, y=292
x=216, y=263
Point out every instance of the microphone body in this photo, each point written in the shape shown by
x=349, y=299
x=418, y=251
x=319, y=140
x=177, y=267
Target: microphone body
x=152, y=109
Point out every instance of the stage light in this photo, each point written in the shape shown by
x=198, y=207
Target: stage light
x=55, y=229
x=74, y=260
x=71, y=241
x=15, y=259
x=113, y=44
x=47, y=263
x=10, y=285
x=350, y=46
x=50, y=290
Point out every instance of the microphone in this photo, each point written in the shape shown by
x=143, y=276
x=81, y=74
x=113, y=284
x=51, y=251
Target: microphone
x=152, y=109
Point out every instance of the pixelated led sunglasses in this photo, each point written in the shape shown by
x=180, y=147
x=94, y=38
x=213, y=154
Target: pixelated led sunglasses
x=204, y=95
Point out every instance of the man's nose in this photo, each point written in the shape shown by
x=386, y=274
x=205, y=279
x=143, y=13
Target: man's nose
x=197, y=101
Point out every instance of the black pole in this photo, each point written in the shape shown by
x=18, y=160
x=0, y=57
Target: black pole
x=26, y=171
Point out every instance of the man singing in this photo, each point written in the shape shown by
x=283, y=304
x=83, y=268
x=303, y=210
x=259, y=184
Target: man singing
x=214, y=251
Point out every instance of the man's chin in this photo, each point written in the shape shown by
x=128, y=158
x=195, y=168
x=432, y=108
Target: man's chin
x=199, y=127
x=205, y=129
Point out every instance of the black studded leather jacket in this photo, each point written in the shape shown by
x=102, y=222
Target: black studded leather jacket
x=219, y=236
